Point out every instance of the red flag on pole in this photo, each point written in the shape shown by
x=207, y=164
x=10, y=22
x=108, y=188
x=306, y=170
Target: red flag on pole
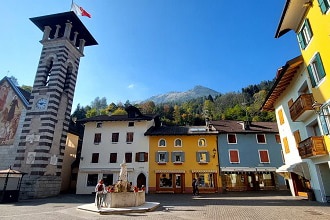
x=79, y=10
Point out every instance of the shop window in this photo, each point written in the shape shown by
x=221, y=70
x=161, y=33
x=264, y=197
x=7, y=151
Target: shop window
x=92, y=179
x=165, y=180
x=205, y=180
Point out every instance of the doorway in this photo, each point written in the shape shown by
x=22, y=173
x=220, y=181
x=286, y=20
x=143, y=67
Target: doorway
x=141, y=180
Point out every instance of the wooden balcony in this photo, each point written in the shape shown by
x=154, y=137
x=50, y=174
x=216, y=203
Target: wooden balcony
x=312, y=147
x=302, y=107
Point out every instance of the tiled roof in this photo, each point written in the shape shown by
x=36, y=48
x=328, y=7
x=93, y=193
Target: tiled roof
x=179, y=130
x=229, y=126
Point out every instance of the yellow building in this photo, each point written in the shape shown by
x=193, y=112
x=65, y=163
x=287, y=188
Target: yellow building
x=310, y=20
x=180, y=154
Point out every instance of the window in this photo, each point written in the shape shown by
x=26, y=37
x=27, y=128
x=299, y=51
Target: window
x=201, y=142
x=141, y=157
x=261, y=139
x=99, y=124
x=165, y=180
x=108, y=179
x=234, y=156
x=92, y=179
x=95, y=157
x=115, y=137
x=325, y=120
x=161, y=143
x=129, y=137
x=128, y=157
x=277, y=138
x=315, y=70
x=161, y=156
x=231, y=138
x=297, y=138
x=113, y=157
x=202, y=157
x=280, y=116
x=177, y=157
x=97, y=138
x=131, y=124
x=305, y=35
x=324, y=5
x=286, y=145
x=177, y=143
x=263, y=155
x=205, y=180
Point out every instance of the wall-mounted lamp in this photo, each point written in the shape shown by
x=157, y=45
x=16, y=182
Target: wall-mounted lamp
x=318, y=109
x=214, y=152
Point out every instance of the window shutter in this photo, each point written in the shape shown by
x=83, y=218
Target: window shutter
x=157, y=157
x=263, y=156
x=309, y=29
x=323, y=6
x=310, y=72
x=182, y=156
x=280, y=116
x=197, y=156
x=296, y=135
x=137, y=158
x=320, y=65
x=166, y=156
x=207, y=157
x=145, y=157
x=301, y=40
x=233, y=156
x=286, y=145
x=173, y=157
x=324, y=125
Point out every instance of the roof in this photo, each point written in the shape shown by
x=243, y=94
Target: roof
x=23, y=95
x=230, y=126
x=283, y=80
x=179, y=130
x=61, y=19
x=293, y=13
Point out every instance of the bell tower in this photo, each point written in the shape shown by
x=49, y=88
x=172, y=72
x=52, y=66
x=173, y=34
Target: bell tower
x=43, y=137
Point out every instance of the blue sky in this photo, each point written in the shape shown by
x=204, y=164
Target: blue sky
x=151, y=47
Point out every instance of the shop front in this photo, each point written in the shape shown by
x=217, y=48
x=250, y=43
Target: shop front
x=170, y=181
x=249, y=179
x=207, y=180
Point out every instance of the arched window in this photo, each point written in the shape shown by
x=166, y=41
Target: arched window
x=201, y=142
x=177, y=143
x=49, y=67
x=69, y=70
x=162, y=143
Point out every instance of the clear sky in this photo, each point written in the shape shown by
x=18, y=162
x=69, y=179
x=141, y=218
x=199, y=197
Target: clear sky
x=151, y=47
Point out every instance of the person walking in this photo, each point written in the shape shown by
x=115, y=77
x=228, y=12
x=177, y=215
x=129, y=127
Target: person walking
x=100, y=193
x=194, y=186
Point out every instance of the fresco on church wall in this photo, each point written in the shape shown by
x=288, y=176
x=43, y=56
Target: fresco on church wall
x=10, y=113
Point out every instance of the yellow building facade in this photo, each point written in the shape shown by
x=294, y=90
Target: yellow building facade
x=177, y=155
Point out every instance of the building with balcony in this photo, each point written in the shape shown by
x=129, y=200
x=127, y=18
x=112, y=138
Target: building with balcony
x=310, y=20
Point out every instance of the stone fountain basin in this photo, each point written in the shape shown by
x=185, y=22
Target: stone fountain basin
x=124, y=199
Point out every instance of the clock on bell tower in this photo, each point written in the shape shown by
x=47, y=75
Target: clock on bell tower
x=48, y=114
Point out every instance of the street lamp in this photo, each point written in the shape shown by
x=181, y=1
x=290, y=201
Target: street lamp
x=214, y=152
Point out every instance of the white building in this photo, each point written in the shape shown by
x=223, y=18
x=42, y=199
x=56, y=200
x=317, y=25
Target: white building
x=303, y=145
x=107, y=142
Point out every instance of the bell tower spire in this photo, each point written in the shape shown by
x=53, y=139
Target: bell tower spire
x=42, y=142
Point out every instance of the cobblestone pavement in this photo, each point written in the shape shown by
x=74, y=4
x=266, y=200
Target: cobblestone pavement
x=251, y=205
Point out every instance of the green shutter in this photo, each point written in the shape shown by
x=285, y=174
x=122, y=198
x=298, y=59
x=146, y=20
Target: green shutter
x=320, y=66
x=308, y=27
x=310, y=72
x=301, y=40
x=323, y=6
x=324, y=124
x=182, y=156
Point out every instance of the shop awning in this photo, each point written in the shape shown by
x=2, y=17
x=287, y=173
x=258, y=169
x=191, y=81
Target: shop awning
x=300, y=168
x=204, y=171
x=170, y=171
x=238, y=169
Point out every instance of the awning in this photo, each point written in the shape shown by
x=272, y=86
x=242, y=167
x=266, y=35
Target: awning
x=204, y=171
x=238, y=169
x=298, y=168
x=170, y=171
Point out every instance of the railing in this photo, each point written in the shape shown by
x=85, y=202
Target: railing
x=311, y=147
x=302, y=106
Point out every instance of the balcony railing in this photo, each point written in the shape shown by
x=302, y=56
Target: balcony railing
x=302, y=107
x=311, y=147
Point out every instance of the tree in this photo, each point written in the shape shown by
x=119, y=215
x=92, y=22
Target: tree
x=27, y=88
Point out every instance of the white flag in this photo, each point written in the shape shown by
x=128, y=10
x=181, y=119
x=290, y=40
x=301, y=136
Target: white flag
x=79, y=10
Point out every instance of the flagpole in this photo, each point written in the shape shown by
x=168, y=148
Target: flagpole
x=71, y=5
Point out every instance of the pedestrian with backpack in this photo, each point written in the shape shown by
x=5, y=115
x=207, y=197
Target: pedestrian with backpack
x=100, y=193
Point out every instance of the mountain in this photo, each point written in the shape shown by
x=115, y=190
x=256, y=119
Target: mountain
x=196, y=92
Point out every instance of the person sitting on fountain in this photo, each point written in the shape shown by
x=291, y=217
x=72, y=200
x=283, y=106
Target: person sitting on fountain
x=100, y=193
